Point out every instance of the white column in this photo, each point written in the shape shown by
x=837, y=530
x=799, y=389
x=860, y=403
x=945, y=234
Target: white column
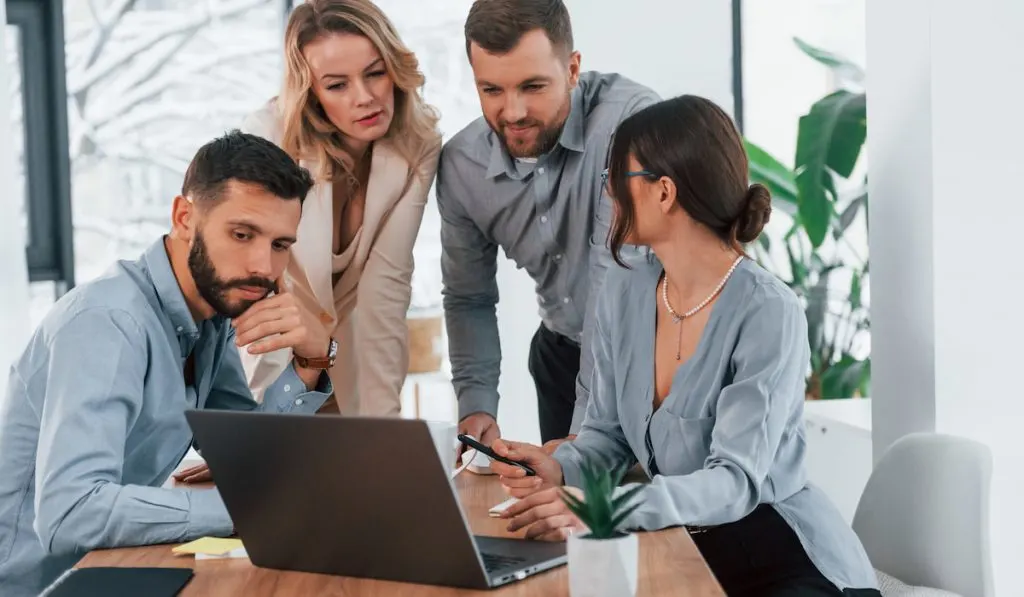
x=14, y=314
x=945, y=126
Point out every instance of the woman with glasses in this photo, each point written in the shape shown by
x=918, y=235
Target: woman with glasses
x=700, y=364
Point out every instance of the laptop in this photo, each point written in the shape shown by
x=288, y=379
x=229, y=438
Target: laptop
x=353, y=496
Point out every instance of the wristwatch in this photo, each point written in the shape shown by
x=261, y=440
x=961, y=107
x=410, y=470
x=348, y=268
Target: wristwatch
x=320, y=362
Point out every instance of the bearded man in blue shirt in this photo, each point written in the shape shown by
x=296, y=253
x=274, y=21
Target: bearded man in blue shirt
x=93, y=421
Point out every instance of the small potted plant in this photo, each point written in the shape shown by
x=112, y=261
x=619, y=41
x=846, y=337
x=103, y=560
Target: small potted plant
x=602, y=562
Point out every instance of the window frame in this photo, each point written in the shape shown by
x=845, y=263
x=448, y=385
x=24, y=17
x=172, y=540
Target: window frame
x=50, y=247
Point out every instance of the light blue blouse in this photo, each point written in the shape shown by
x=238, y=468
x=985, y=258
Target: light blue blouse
x=730, y=433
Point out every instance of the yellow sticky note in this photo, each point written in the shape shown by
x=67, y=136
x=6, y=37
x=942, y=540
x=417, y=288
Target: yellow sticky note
x=208, y=545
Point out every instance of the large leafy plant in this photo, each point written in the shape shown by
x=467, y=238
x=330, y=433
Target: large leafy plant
x=600, y=510
x=821, y=264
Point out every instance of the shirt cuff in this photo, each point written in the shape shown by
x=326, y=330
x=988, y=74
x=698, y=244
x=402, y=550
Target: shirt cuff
x=478, y=401
x=569, y=458
x=289, y=394
x=207, y=515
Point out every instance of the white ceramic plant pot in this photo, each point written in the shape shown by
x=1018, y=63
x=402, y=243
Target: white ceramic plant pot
x=603, y=567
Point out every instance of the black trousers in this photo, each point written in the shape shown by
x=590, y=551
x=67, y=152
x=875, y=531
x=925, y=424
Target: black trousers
x=554, y=365
x=761, y=556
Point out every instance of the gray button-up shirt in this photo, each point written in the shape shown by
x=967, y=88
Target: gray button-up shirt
x=730, y=433
x=551, y=218
x=94, y=422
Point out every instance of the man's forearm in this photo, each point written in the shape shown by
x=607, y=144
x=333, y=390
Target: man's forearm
x=475, y=354
x=113, y=515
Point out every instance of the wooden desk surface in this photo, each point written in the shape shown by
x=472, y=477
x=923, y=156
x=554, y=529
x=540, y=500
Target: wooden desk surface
x=669, y=564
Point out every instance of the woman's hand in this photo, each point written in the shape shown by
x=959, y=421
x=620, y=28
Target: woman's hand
x=514, y=479
x=545, y=515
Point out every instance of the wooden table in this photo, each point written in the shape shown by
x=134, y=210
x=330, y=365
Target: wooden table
x=669, y=564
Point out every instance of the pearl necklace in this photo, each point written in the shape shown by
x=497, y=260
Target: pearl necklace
x=677, y=318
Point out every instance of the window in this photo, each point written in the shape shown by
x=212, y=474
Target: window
x=148, y=83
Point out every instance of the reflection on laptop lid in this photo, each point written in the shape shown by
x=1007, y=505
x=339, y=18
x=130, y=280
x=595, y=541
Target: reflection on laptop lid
x=360, y=497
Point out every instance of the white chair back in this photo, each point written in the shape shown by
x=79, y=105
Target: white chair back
x=924, y=514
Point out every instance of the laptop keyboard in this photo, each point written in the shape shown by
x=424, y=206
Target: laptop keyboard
x=494, y=562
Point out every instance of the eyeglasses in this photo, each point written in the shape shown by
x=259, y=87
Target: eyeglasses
x=604, y=175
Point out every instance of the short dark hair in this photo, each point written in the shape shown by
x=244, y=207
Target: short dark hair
x=245, y=158
x=498, y=25
x=692, y=141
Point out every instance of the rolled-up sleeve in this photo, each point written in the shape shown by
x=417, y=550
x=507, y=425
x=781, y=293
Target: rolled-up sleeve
x=470, y=288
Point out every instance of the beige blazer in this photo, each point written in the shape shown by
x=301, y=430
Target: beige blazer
x=366, y=310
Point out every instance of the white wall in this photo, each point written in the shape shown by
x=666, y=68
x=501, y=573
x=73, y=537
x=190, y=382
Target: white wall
x=14, y=326
x=675, y=48
x=678, y=47
x=945, y=124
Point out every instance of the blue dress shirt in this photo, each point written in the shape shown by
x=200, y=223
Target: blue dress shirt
x=93, y=422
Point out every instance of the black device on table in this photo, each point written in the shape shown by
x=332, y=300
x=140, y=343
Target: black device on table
x=297, y=506
x=472, y=443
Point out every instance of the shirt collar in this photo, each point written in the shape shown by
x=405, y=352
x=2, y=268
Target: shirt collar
x=165, y=283
x=572, y=132
x=571, y=139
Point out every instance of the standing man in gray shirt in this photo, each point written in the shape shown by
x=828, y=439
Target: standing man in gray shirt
x=527, y=177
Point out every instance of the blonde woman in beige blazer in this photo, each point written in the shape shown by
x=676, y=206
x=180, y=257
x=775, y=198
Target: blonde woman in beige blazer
x=351, y=113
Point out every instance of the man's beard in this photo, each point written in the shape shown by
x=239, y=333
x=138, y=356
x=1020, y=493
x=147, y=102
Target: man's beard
x=547, y=137
x=213, y=289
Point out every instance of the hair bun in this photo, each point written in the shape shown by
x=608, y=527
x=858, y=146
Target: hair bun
x=756, y=213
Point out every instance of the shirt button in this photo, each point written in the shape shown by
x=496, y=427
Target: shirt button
x=544, y=219
x=298, y=402
x=180, y=328
x=540, y=170
x=287, y=388
x=566, y=300
x=558, y=257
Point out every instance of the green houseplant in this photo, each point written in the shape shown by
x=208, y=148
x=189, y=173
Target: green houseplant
x=817, y=258
x=602, y=562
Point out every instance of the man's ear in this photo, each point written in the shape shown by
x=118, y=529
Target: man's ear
x=183, y=218
x=574, y=69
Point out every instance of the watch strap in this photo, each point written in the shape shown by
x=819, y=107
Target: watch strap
x=325, y=362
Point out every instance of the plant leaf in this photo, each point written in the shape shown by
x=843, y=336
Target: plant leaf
x=849, y=213
x=844, y=378
x=841, y=66
x=816, y=136
x=851, y=129
x=617, y=522
x=623, y=500
x=770, y=172
x=817, y=308
x=797, y=267
x=855, y=290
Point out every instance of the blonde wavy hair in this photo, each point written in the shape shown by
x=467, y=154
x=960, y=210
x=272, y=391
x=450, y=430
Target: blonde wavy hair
x=307, y=133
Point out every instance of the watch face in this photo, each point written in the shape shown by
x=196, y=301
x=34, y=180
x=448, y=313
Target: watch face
x=332, y=350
